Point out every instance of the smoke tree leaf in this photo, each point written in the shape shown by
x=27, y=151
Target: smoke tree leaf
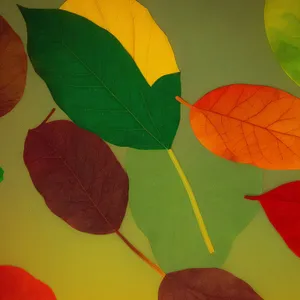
x=13, y=68
x=205, y=284
x=97, y=83
x=78, y=175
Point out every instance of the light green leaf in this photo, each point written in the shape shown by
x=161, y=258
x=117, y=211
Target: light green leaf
x=97, y=84
x=282, y=22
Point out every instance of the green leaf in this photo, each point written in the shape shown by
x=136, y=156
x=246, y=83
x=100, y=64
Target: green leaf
x=1, y=174
x=97, y=84
x=282, y=22
x=160, y=208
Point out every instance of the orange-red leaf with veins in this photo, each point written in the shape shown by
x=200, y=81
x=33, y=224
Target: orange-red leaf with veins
x=17, y=284
x=13, y=68
x=249, y=124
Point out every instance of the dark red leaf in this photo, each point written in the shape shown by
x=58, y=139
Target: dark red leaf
x=282, y=207
x=13, y=68
x=17, y=284
x=78, y=175
x=205, y=284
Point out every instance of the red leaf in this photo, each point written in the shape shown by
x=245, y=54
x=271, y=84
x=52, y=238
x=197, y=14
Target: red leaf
x=78, y=175
x=205, y=284
x=17, y=284
x=13, y=68
x=282, y=207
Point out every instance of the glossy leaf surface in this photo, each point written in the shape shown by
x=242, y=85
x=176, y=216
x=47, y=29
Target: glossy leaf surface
x=84, y=67
x=78, y=175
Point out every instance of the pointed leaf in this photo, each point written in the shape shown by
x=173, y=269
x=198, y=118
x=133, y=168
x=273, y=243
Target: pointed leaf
x=205, y=284
x=282, y=207
x=282, y=23
x=16, y=283
x=83, y=66
x=78, y=175
x=250, y=124
x=137, y=32
x=13, y=68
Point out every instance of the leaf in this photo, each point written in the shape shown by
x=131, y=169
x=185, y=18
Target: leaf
x=205, y=284
x=132, y=24
x=78, y=175
x=249, y=124
x=1, y=174
x=282, y=207
x=13, y=68
x=159, y=204
x=83, y=66
x=16, y=283
x=282, y=23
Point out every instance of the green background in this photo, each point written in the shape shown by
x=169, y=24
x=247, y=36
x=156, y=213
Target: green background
x=215, y=43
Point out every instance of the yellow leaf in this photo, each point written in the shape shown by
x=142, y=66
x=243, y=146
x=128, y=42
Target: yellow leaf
x=132, y=24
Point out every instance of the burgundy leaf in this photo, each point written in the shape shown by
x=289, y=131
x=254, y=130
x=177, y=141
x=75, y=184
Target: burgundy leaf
x=205, y=284
x=282, y=207
x=13, y=68
x=78, y=175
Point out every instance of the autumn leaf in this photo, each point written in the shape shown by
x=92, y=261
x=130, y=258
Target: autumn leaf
x=79, y=177
x=282, y=207
x=249, y=124
x=13, y=68
x=282, y=23
x=16, y=283
x=205, y=284
x=132, y=24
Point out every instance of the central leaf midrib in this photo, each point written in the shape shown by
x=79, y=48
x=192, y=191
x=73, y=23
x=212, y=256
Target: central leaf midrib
x=110, y=92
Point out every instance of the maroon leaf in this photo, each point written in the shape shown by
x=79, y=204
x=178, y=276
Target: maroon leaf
x=205, y=284
x=78, y=175
x=13, y=68
x=282, y=207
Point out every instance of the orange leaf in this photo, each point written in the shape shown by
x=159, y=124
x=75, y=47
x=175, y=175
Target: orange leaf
x=16, y=284
x=249, y=124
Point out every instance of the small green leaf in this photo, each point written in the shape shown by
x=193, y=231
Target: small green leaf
x=97, y=84
x=1, y=174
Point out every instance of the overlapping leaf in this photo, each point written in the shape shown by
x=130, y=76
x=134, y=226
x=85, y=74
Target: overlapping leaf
x=97, y=83
x=13, y=68
x=16, y=283
x=250, y=124
x=205, y=284
x=133, y=26
x=282, y=207
x=282, y=22
x=78, y=175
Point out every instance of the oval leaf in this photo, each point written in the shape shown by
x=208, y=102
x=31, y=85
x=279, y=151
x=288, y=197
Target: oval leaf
x=282, y=23
x=16, y=283
x=78, y=175
x=250, y=124
x=13, y=68
x=136, y=30
x=205, y=284
x=282, y=207
x=83, y=65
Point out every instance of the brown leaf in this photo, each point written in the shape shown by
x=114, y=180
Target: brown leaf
x=205, y=284
x=78, y=175
x=13, y=68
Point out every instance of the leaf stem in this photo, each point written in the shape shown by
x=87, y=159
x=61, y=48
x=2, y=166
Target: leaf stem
x=193, y=202
x=141, y=255
x=48, y=117
x=182, y=101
